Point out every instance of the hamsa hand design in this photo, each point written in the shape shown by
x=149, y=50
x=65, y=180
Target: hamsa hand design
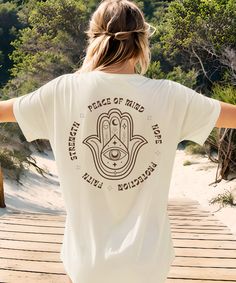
x=114, y=148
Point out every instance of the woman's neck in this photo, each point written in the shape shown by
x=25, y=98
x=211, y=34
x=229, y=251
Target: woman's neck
x=124, y=68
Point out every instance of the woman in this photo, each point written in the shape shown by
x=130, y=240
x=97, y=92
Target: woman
x=114, y=134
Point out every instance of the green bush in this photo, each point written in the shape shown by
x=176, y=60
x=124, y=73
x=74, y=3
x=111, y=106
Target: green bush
x=12, y=167
x=177, y=74
x=225, y=93
x=14, y=162
x=194, y=148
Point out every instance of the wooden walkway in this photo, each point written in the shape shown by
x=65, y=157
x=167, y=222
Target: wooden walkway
x=205, y=248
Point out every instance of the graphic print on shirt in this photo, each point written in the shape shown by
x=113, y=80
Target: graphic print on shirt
x=114, y=147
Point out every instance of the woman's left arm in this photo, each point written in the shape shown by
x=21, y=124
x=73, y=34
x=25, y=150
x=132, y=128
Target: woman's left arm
x=227, y=117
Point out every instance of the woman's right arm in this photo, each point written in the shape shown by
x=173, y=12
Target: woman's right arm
x=227, y=117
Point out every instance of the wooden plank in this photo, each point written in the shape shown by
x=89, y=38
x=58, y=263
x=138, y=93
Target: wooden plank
x=30, y=246
x=190, y=213
x=203, y=232
x=34, y=217
x=195, y=207
x=184, y=209
x=201, y=252
x=183, y=280
x=196, y=219
x=182, y=202
x=203, y=223
x=31, y=229
x=224, y=244
x=25, y=236
x=13, y=276
x=204, y=262
x=33, y=214
x=29, y=222
x=200, y=236
x=189, y=216
x=32, y=266
x=198, y=228
x=203, y=273
x=186, y=220
x=30, y=255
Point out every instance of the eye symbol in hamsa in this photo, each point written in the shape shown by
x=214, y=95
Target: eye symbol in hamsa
x=114, y=148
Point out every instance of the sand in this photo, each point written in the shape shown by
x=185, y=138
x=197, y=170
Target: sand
x=193, y=181
x=37, y=194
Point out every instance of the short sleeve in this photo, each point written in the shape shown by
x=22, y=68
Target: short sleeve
x=34, y=111
x=199, y=114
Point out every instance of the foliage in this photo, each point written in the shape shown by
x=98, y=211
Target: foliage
x=177, y=74
x=225, y=93
x=14, y=162
x=194, y=148
x=9, y=26
x=223, y=199
x=202, y=34
x=51, y=45
x=187, y=163
x=224, y=140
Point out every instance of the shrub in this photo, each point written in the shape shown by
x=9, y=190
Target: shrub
x=187, y=162
x=14, y=162
x=194, y=148
x=223, y=199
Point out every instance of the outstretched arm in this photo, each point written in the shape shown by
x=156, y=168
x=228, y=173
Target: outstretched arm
x=6, y=111
x=227, y=118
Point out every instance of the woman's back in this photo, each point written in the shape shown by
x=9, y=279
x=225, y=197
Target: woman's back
x=116, y=201
x=114, y=137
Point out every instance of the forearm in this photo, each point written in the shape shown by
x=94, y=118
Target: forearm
x=227, y=118
x=6, y=111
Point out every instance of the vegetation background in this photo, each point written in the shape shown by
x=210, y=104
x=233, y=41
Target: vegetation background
x=195, y=44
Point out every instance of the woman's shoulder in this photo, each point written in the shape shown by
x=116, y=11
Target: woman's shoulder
x=65, y=79
x=152, y=82
x=163, y=83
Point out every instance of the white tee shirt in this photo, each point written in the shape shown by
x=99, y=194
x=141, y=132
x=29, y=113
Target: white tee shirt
x=114, y=138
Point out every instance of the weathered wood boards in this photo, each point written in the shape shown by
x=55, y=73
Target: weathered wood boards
x=205, y=248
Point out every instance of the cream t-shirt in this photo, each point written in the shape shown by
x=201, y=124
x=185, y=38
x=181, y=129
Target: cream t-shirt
x=114, y=138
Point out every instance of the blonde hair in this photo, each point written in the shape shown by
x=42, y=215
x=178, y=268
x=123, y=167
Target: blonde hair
x=117, y=32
